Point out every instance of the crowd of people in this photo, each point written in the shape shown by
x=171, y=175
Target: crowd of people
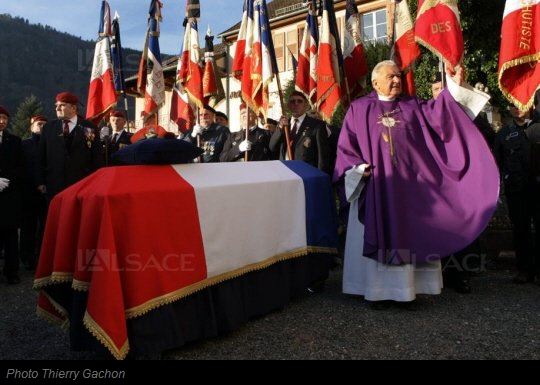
x=384, y=162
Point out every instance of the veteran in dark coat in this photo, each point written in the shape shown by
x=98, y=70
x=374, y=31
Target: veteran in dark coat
x=309, y=137
x=256, y=144
x=119, y=137
x=69, y=149
x=11, y=173
x=34, y=204
x=208, y=135
x=517, y=150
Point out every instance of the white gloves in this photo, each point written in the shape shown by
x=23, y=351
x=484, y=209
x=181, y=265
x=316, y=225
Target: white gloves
x=245, y=146
x=197, y=130
x=4, y=183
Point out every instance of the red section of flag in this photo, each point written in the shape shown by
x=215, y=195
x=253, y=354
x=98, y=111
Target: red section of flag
x=190, y=73
x=406, y=50
x=101, y=97
x=519, y=59
x=182, y=113
x=329, y=91
x=142, y=72
x=438, y=28
x=306, y=73
x=209, y=81
x=240, y=51
x=354, y=57
x=407, y=83
x=355, y=71
x=328, y=86
x=128, y=267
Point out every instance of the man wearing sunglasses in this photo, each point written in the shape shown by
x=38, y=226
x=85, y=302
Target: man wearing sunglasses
x=308, y=136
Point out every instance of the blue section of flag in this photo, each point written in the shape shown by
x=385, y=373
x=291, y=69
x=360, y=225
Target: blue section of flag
x=266, y=35
x=102, y=19
x=153, y=43
x=321, y=216
x=118, y=62
x=313, y=24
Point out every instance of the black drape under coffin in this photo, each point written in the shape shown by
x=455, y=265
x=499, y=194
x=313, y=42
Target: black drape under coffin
x=212, y=312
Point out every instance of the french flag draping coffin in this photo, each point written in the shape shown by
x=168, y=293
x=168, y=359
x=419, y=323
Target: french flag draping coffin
x=139, y=237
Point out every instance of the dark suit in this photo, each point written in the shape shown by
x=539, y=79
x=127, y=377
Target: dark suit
x=65, y=161
x=112, y=144
x=514, y=154
x=12, y=168
x=212, y=141
x=34, y=205
x=310, y=145
x=259, y=139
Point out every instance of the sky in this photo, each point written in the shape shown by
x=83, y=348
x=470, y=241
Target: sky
x=81, y=18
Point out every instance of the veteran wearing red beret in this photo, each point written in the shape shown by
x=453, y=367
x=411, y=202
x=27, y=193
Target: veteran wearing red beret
x=69, y=149
x=119, y=137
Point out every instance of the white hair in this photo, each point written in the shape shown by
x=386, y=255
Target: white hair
x=385, y=63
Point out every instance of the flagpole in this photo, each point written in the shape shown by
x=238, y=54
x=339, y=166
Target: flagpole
x=442, y=71
x=246, y=153
x=282, y=103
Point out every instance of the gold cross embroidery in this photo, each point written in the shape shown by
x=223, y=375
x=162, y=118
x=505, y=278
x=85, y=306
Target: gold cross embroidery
x=388, y=120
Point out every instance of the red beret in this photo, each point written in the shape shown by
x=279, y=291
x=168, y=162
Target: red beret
x=38, y=118
x=67, y=97
x=3, y=111
x=118, y=114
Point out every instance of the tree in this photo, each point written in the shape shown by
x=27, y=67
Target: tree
x=31, y=106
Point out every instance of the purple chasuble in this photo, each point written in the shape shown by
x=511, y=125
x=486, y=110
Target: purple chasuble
x=435, y=183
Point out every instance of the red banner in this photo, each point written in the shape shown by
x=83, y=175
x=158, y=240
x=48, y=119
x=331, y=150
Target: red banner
x=519, y=68
x=438, y=28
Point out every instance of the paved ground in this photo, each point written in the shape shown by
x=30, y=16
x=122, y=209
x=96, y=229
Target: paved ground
x=498, y=321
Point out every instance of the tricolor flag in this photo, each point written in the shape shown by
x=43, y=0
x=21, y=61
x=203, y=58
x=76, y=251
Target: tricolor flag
x=102, y=94
x=269, y=68
x=247, y=68
x=240, y=51
x=306, y=74
x=405, y=50
x=189, y=69
x=519, y=59
x=354, y=56
x=438, y=28
x=118, y=61
x=151, y=82
x=178, y=205
x=329, y=78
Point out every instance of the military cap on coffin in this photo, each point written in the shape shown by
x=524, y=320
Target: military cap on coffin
x=157, y=151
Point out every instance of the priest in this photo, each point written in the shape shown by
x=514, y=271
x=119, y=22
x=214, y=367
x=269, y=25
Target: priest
x=421, y=181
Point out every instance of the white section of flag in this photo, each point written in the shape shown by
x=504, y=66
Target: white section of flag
x=102, y=59
x=516, y=5
x=237, y=212
x=155, y=83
